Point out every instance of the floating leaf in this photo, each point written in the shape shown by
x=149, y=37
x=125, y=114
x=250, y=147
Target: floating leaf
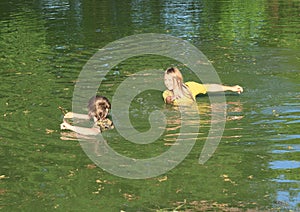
x=129, y=197
x=227, y=179
x=26, y=112
x=163, y=179
x=178, y=191
x=3, y=177
x=2, y=191
x=72, y=173
x=91, y=166
x=48, y=131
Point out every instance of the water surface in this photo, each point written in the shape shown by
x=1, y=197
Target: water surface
x=45, y=44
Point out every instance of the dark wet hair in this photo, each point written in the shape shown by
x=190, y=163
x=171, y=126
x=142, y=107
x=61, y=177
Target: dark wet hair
x=98, y=106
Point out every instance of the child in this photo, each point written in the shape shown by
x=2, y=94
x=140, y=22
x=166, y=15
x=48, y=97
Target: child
x=98, y=109
x=181, y=93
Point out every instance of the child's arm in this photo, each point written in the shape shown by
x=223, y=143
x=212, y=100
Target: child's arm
x=219, y=88
x=70, y=115
x=81, y=130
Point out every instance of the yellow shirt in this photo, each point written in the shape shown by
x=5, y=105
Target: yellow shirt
x=194, y=87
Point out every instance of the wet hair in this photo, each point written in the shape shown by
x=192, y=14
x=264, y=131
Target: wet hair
x=98, y=106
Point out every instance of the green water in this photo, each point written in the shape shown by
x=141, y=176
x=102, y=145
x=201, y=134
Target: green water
x=44, y=46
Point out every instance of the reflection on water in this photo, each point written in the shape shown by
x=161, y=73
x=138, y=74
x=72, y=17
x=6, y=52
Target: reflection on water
x=286, y=148
x=285, y=164
x=281, y=123
x=285, y=198
x=44, y=45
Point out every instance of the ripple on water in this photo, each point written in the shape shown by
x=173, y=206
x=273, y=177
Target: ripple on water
x=282, y=179
x=281, y=109
x=285, y=137
x=286, y=148
x=288, y=114
x=285, y=198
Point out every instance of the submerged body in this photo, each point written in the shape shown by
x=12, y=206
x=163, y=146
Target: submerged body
x=98, y=109
x=195, y=89
x=105, y=124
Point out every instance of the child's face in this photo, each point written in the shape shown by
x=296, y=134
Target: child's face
x=169, y=81
x=102, y=111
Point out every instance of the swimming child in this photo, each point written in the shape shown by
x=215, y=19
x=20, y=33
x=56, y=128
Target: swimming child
x=98, y=109
x=179, y=92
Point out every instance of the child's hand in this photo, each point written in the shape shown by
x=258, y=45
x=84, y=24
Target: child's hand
x=237, y=89
x=64, y=125
x=68, y=115
x=170, y=99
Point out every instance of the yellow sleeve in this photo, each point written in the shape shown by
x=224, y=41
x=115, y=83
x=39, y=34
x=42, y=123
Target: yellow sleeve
x=167, y=93
x=196, y=88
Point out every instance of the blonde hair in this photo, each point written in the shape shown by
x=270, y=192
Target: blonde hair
x=179, y=88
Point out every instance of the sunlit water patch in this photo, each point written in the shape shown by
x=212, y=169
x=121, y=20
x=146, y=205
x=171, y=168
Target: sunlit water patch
x=285, y=164
x=286, y=148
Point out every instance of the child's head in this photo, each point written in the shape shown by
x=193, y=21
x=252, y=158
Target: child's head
x=174, y=82
x=173, y=78
x=98, y=107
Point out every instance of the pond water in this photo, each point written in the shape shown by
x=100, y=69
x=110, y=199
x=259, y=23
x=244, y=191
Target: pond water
x=44, y=46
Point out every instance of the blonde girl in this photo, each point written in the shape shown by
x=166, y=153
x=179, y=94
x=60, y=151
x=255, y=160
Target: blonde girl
x=179, y=92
